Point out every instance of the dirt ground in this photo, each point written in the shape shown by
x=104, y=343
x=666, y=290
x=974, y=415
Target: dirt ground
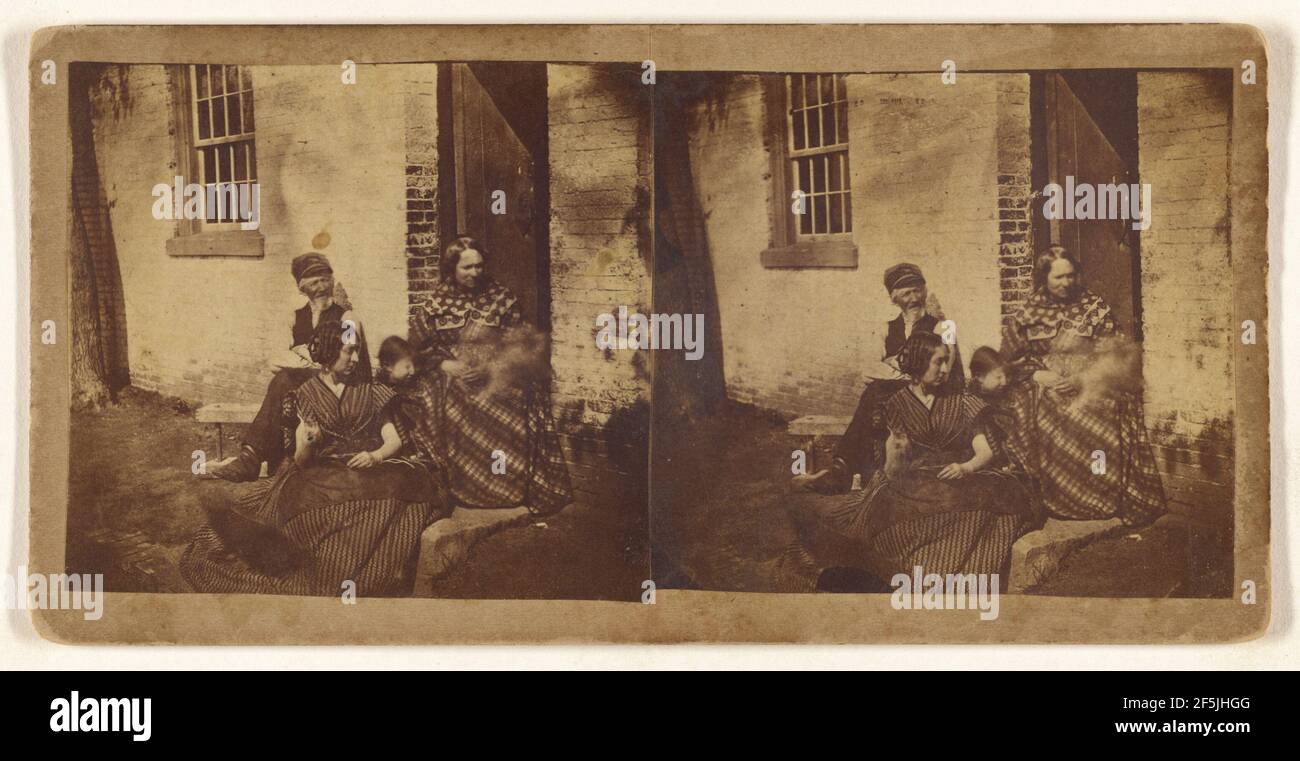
x=723, y=518
x=134, y=504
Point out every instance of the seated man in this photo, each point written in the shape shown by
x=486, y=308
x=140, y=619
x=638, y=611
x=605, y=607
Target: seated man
x=859, y=450
x=264, y=440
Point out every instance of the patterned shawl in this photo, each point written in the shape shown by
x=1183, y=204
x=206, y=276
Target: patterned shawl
x=451, y=306
x=1041, y=317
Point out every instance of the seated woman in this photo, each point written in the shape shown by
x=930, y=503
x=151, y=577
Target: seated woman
x=482, y=409
x=1076, y=391
x=939, y=503
x=343, y=509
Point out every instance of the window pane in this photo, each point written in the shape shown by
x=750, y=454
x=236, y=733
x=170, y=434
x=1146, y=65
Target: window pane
x=842, y=118
x=797, y=124
x=848, y=213
x=840, y=88
x=205, y=121
x=232, y=79
x=252, y=161
x=211, y=208
x=819, y=214
x=836, y=181
x=199, y=75
x=241, y=162
x=214, y=76
x=796, y=91
x=837, y=211
x=233, y=113
x=805, y=219
x=819, y=174
x=246, y=100
x=209, y=164
x=247, y=77
x=224, y=169
x=218, y=117
x=828, y=122
x=828, y=87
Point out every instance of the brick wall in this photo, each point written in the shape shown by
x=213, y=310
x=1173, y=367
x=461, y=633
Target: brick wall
x=201, y=328
x=420, y=109
x=600, y=165
x=1015, y=190
x=1186, y=281
x=939, y=178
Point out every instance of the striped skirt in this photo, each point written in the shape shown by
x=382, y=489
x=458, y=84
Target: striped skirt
x=310, y=531
x=1059, y=443
x=496, y=450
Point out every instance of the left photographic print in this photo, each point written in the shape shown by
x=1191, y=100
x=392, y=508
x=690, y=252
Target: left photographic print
x=331, y=329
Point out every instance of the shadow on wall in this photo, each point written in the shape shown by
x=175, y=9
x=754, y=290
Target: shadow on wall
x=1197, y=472
x=610, y=461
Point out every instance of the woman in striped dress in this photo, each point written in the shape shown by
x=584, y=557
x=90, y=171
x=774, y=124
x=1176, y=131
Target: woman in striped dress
x=345, y=508
x=942, y=502
x=1076, y=393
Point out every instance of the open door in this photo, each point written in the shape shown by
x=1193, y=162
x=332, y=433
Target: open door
x=1087, y=129
x=500, y=164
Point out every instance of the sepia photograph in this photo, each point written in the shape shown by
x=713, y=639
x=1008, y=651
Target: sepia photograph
x=331, y=336
x=971, y=325
x=809, y=334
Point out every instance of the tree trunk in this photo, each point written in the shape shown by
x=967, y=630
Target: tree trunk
x=99, y=366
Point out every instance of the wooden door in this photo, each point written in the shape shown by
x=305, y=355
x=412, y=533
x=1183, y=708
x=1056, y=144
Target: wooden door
x=1107, y=248
x=495, y=164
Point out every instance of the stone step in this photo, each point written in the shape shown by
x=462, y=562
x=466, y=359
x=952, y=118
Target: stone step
x=1037, y=555
x=447, y=542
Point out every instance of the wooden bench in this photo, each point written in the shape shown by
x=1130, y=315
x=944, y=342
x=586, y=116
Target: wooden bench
x=223, y=413
x=818, y=425
x=809, y=427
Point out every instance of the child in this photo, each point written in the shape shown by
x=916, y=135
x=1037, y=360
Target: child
x=989, y=380
x=396, y=362
x=988, y=374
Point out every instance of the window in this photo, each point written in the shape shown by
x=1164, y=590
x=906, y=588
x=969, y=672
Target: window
x=808, y=116
x=225, y=154
x=213, y=133
x=819, y=152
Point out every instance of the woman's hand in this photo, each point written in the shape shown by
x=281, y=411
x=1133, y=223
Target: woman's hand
x=954, y=471
x=462, y=372
x=365, y=460
x=1054, y=381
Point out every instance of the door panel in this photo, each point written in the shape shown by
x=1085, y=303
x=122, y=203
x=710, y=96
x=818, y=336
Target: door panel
x=1107, y=248
x=491, y=156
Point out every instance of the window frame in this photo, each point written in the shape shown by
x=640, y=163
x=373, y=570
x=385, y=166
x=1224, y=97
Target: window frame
x=198, y=237
x=788, y=248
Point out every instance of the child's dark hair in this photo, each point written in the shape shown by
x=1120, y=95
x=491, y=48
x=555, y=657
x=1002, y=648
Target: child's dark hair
x=984, y=360
x=393, y=348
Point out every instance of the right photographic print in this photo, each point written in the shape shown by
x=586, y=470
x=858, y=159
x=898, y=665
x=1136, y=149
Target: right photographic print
x=968, y=328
